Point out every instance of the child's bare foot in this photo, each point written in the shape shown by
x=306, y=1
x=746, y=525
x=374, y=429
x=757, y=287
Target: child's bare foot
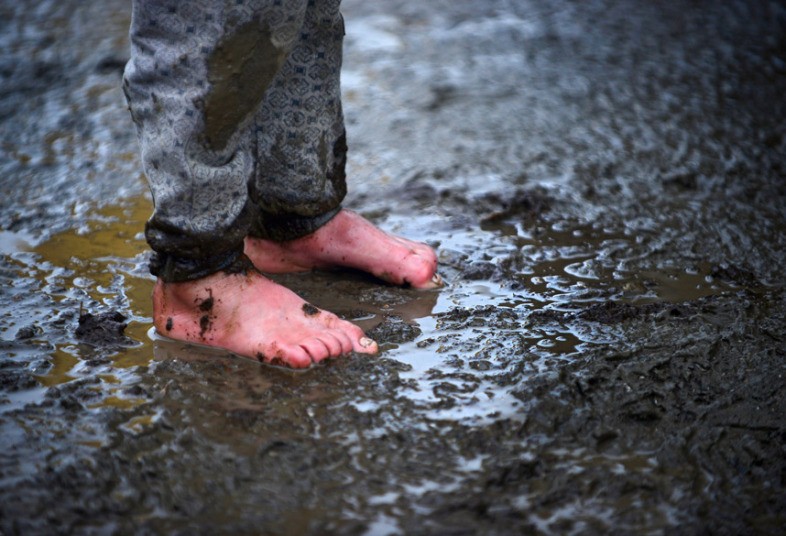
x=349, y=240
x=251, y=316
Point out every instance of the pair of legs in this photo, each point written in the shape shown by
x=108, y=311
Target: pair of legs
x=238, y=110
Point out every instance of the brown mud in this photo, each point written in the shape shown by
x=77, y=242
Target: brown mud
x=606, y=186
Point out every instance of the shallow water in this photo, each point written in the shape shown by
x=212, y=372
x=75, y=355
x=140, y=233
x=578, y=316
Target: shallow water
x=607, y=355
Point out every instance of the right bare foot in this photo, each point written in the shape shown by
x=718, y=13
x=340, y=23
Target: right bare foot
x=350, y=241
x=254, y=317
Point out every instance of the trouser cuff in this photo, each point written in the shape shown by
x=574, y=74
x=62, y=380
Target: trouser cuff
x=281, y=228
x=173, y=269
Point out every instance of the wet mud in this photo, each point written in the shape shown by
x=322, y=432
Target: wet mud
x=104, y=329
x=605, y=183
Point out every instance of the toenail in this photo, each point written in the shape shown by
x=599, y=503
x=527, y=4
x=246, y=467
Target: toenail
x=365, y=342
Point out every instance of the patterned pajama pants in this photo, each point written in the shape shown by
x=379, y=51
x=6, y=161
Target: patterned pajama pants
x=238, y=111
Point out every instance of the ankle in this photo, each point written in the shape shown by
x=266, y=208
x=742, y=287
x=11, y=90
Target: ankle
x=189, y=294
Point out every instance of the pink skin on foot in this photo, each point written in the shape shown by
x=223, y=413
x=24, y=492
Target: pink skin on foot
x=254, y=317
x=350, y=241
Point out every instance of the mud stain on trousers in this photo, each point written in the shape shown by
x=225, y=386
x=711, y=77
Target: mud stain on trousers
x=239, y=70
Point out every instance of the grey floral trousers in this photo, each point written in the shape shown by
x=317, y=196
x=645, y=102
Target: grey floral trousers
x=238, y=112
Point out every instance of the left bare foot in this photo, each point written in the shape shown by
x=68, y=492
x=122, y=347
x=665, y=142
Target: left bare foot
x=254, y=317
x=350, y=241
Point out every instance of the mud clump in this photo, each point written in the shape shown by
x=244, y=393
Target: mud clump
x=478, y=270
x=103, y=329
x=735, y=274
x=13, y=377
x=204, y=325
x=310, y=310
x=207, y=304
x=497, y=207
x=394, y=329
x=205, y=321
x=28, y=332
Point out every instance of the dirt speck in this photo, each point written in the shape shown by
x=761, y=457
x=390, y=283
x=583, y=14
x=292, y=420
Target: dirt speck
x=310, y=310
x=204, y=325
x=207, y=304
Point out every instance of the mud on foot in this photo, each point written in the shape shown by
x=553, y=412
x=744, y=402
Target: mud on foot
x=252, y=316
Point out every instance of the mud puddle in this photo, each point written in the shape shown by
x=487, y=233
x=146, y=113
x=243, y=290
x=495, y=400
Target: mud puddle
x=453, y=361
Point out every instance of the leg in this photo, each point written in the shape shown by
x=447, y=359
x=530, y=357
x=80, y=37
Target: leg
x=300, y=181
x=192, y=110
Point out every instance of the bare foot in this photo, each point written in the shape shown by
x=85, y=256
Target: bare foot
x=351, y=241
x=254, y=317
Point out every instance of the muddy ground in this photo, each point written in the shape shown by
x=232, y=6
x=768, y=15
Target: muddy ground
x=606, y=184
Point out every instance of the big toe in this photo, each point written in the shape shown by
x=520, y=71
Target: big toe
x=435, y=281
x=420, y=270
x=365, y=345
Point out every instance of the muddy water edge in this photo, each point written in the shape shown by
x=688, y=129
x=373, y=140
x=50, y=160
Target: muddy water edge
x=606, y=186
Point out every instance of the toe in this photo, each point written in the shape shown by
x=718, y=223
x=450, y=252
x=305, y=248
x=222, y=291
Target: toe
x=364, y=345
x=316, y=349
x=418, y=267
x=291, y=355
x=332, y=343
x=435, y=282
x=345, y=340
x=422, y=271
x=354, y=333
